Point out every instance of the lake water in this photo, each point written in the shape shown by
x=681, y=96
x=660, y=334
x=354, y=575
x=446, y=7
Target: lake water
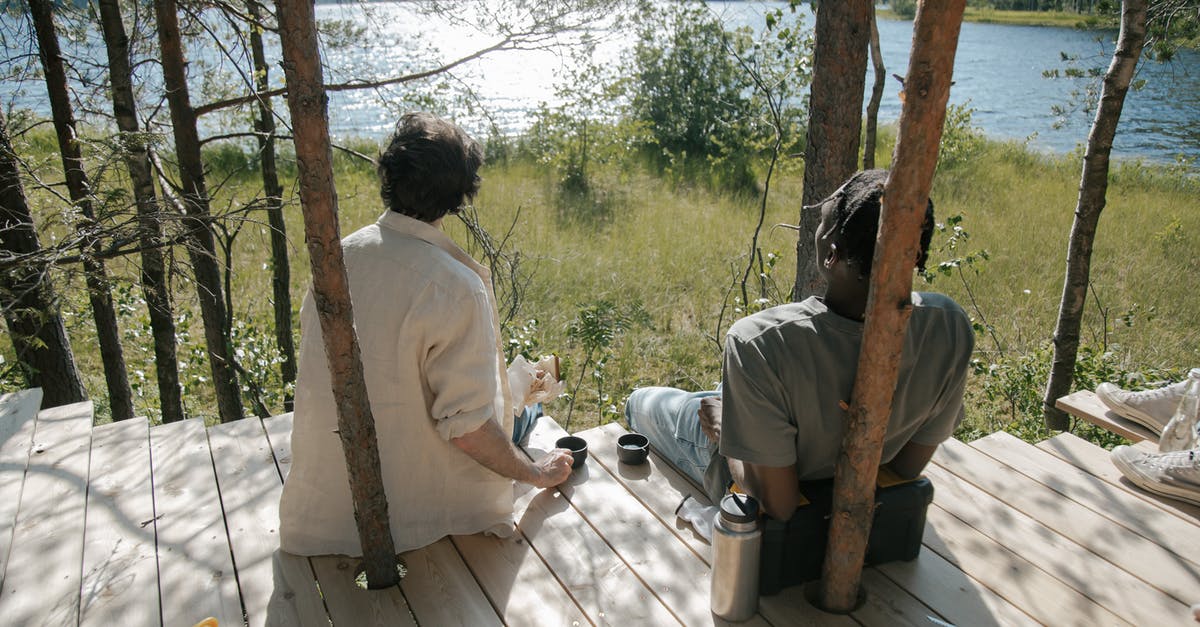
x=998, y=73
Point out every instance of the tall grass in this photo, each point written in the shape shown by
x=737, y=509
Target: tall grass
x=669, y=253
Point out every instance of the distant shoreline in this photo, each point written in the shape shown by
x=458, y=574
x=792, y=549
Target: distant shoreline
x=1058, y=19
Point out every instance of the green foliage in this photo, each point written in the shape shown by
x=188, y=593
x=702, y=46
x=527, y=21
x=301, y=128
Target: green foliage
x=962, y=141
x=906, y=9
x=595, y=328
x=693, y=88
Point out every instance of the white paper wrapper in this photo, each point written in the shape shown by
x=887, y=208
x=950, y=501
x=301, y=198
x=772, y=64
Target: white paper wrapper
x=532, y=383
x=700, y=516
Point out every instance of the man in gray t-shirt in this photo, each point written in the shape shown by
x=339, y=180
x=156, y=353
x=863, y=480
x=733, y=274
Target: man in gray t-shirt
x=779, y=415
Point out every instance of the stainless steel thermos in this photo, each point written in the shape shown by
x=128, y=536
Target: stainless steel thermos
x=737, y=539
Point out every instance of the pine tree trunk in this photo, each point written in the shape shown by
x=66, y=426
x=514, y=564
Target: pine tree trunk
x=879, y=74
x=1093, y=187
x=30, y=305
x=156, y=287
x=280, y=271
x=834, y=121
x=931, y=66
x=201, y=249
x=120, y=396
x=307, y=102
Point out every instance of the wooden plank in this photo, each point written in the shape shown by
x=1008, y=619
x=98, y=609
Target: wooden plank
x=603, y=584
x=1131, y=552
x=195, y=569
x=351, y=605
x=518, y=583
x=346, y=602
x=1086, y=406
x=41, y=583
x=1096, y=578
x=1013, y=577
x=18, y=416
x=250, y=489
x=441, y=589
x=655, y=483
x=120, y=567
x=1087, y=456
x=641, y=540
x=1135, y=514
x=660, y=487
x=953, y=594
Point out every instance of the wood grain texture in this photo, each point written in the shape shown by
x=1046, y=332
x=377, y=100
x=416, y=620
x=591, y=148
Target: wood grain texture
x=49, y=524
x=1132, y=552
x=195, y=568
x=1087, y=456
x=1136, y=515
x=1095, y=577
x=1086, y=406
x=120, y=565
x=18, y=417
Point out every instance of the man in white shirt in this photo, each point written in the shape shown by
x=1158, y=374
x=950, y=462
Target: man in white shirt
x=427, y=324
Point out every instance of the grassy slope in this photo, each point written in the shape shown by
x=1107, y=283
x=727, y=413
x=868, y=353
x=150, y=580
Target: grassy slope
x=677, y=249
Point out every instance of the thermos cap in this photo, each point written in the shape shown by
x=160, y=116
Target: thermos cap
x=739, y=508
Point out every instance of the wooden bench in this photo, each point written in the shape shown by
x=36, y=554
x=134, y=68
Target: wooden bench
x=1086, y=406
x=134, y=524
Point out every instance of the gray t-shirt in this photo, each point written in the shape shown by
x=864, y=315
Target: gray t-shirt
x=787, y=370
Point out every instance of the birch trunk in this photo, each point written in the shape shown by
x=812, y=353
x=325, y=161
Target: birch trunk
x=201, y=248
x=30, y=305
x=834, y=121
x=307, y=102
x=120, y=396
x=879, y=74
x=264, y=128
x=1093, y=187
x=156, y=288
x=935, y=39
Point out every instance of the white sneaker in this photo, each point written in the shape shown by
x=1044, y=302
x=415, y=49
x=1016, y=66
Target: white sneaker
x=1152, y=409
x=1175, y=475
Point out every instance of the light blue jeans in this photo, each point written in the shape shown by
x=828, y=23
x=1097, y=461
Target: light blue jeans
x=524, y=421
x=670, y=419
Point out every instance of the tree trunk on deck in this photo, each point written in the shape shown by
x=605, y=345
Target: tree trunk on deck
x=935, y=39
x=264, y=128
x=834, y=121
x=27, y=298
x=307, y=102
x=201, y=248
x=120, y=396
x=1093, y=186
x=879, y=74
x=156, y=288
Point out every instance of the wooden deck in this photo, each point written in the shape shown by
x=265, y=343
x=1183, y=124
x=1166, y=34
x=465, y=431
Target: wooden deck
x=128, y=524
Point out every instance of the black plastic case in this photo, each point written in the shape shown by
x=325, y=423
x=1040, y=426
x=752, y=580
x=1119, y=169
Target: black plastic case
x=793, y=551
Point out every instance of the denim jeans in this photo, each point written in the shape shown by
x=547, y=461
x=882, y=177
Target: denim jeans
x=670, y=419
x=524, y=421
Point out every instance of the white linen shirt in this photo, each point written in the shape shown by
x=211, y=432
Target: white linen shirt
x=427, y=325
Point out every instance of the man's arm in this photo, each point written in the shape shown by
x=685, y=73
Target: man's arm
x=777, y=488
x=911, y=459
x=491, y=448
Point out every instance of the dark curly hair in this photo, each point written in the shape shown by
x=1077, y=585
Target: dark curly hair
x=429, y=168
x=856, y=219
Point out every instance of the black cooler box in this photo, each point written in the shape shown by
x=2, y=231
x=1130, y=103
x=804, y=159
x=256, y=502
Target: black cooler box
x=794, y=551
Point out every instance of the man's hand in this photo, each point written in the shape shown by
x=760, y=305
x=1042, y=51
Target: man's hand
x=552, y=469
x=710, y=417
